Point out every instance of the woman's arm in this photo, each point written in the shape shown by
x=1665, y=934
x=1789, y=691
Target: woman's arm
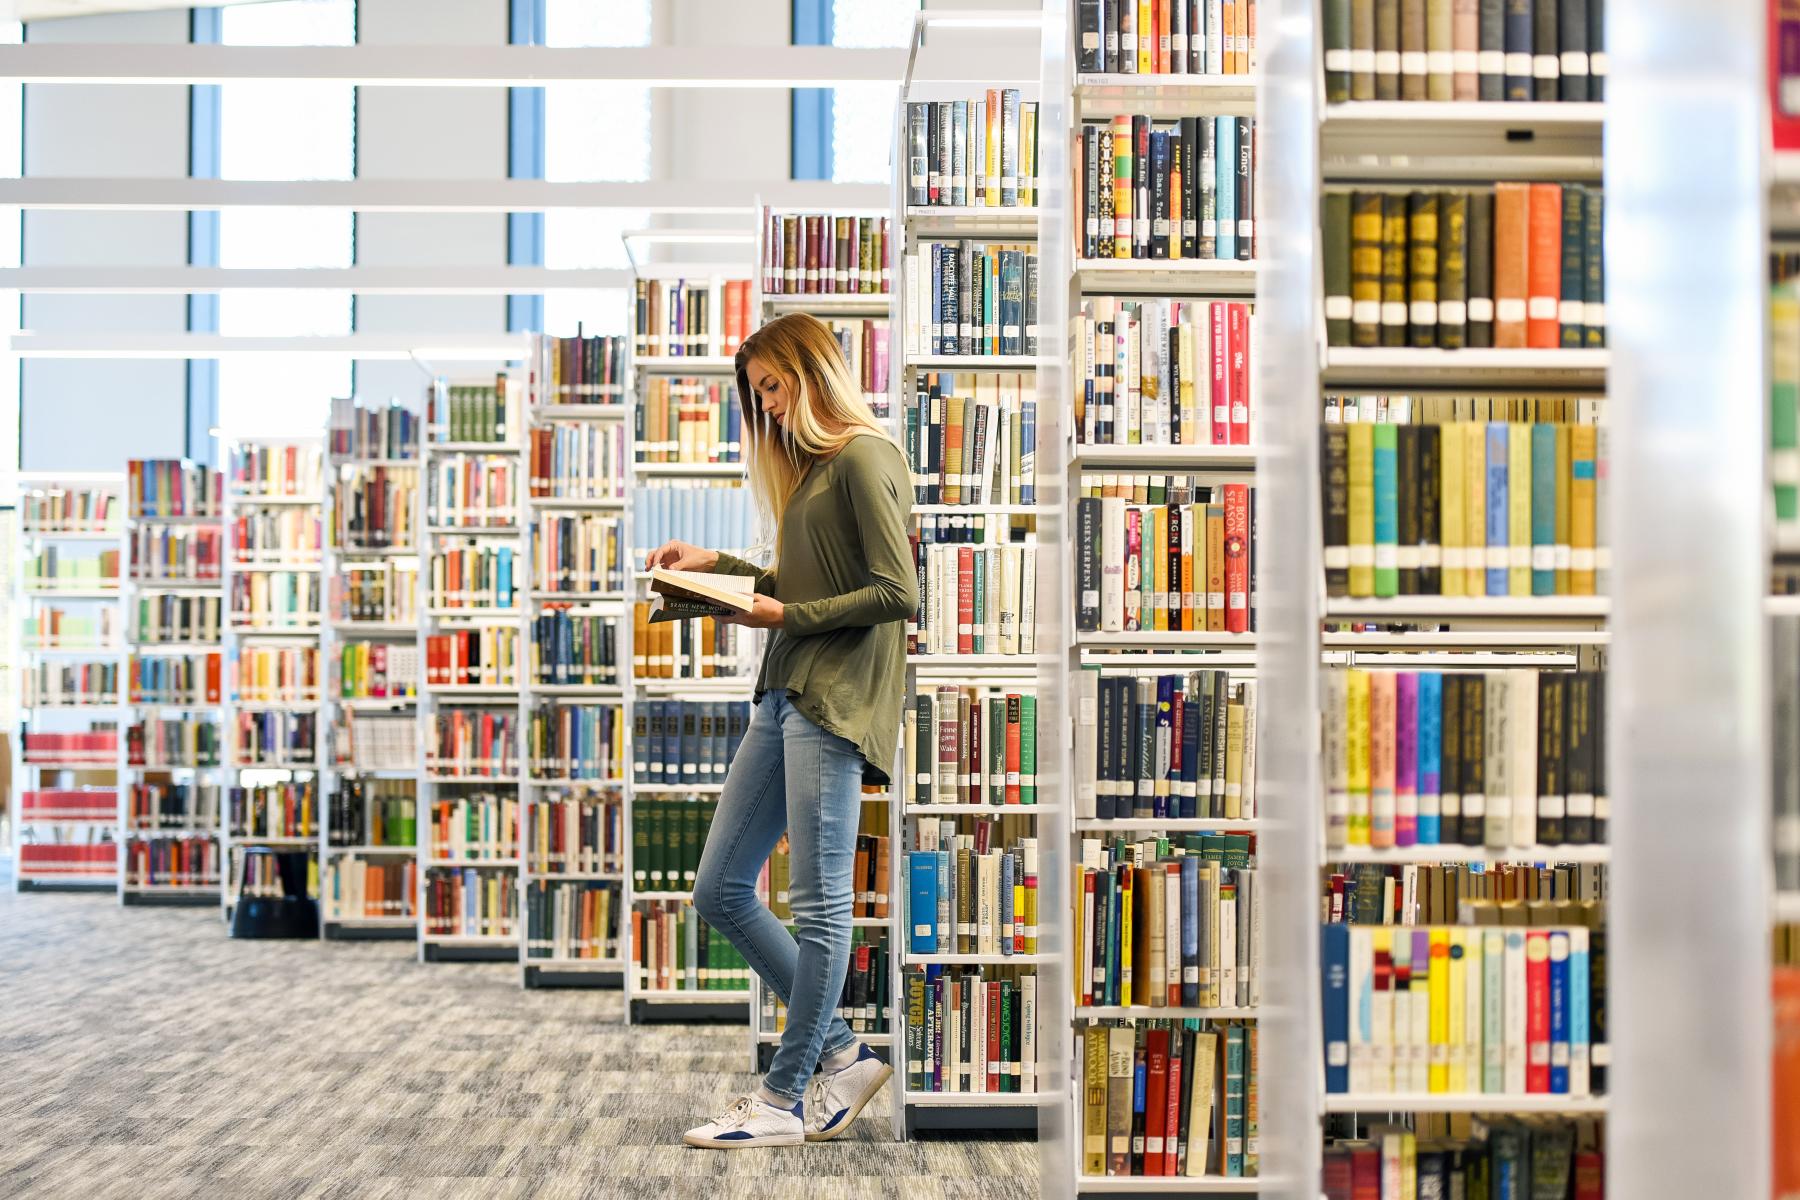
x=680, y=556
x=731, y=564
x=880, y=499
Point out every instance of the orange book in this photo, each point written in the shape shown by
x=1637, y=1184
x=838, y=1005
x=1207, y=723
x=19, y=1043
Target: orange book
x=1543, y=276
x=1215, y=568
x=213, y=672
x=1784, y=1108
x=640, y=638
x=953, y=443
x=883, y=864
x=863, y=899
x=1189, y=528
x=1511, y=231
x=1122, y=183
x=709, y=632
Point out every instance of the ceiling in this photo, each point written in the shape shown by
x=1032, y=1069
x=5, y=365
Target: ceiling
x=40, y=10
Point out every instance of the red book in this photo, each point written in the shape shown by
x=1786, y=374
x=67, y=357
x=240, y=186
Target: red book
x=1221, y=374
x=1784, y=65
x=1156, y=1098
x=1172, y=1110
x=213, y=678
x=1785, y=1104
x=973, y=762
x=1365, y=1173
x=1013, y=725
x=1336, y=1174
x=993, y=1037
x=1537, y=1012
x=949, y=737
x=965, y=599
x=1240, y=373
x=1088, y=883
x=1543, y=267
x=1177, y=728
x=1237, y=558
x=1590, y=1174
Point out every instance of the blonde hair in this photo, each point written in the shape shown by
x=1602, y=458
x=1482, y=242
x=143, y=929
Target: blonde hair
x=825, y=411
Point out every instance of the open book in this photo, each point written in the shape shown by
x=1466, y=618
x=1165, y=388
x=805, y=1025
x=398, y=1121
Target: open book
x=687, y=594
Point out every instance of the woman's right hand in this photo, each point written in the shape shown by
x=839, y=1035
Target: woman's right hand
x=680, y=556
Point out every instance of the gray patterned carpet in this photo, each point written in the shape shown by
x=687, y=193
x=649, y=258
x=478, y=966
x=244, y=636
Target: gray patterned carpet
x=144, y=1055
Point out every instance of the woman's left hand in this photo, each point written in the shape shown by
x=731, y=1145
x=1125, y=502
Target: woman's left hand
x=765, y=613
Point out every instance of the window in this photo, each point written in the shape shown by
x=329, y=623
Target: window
x=593, y=131
x=285, y=130
x=12, y=165
x=862, y=117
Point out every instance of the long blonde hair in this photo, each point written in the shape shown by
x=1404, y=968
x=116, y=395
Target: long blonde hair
x=826, y=410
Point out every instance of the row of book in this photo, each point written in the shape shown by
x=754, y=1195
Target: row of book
x=576, y=649
x=677, y=742
x=354, y=889
x=65, y=509
x=1162, y=372
x=971, y=298
x=52, y=861
x=585, y=369
x=1376, y=893
x=58, y=569
x=688, y=318
x=53, y=627
x=578, y=553
x=1470, y=50
x=67, y=804
x=167, y=618
x=472, y=574
x=688, y=419
x=96, y=747
x=823, y=253
x=973, y=599
x=372, y=431
x=866, y=1003
x=172, y=744
x=1517, y=266
x=1430, y=499
x=1170, y=1098
x=1453, y=1010
x=1518, y=1156
x=473, y=742
x=971, y=1029
x=71, y=684
x=172, y=487
x=702, y=648
x=716, y=513
x=285, y=469
x=1182, y=565
x=576, y=833
x=265, y=673
x=470, y=902
x=365, y=742
x=674, y=950
x=967, y=895
x=479, y=825
x=277, y=739
x=376, y=593
x=1181, y=188
x=971, y=745
x=1175, y=37
x=667, y=837
x=1497, y=758
x=572, y=920
x=980, y=153
x=371, y=670
x=578, y=460
x=176, y=553
x=375, y=508
x=469, y=412
x=1165, y=745
x=480, y=656
x=170, y=806
x=971, y=438
x=373, y=812
x=167, y=862
x=472, y=491
x=865, y=343
x=274, y=810
x=577, y=741
x=1166, y=922
x=275, y=600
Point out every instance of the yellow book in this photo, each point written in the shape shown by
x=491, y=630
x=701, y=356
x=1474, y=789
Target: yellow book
x=1093, y=1126
x=1518, y=509
x=1563, y=444
x=1450, y=512
x=1077, y=919
x=1234, y=760
x=1192, y=528
x=1159, y=567
x=991, y=149
x=1581, y=511
x=1184, y=356
x=1127, y=902
x=1362, y=508
x=1457, y=1075
x=1200, y=1113
x=1474, y=508
x=1409, y=1164
x=1356, y=734
x=1439, y=1076
x=1146, y=43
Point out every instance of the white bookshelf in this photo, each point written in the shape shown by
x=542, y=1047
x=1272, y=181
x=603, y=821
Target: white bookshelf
x=355, y=560
x=155, y=588
x=247, y=630
x=97, y=823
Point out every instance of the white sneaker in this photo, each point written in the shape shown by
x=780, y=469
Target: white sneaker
x=749, y=1122
x=834, y=1099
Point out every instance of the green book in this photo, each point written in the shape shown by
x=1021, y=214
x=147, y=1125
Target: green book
x=1422, y=269
x=1784, y=400
x=1393, y=270
x=1365, y=269
x=1385, y=439
x=1337, y=265
x=1337, y=51
x=1028, y=749
x=1452, y=265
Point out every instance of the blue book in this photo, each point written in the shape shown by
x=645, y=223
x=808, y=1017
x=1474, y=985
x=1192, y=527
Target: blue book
x=1334, y=985
x=1496, y=508
x=1543, y=510
x=1110, y=882
x=1578, y=1011
x=1559, y=1014
x=1028, y=450
x=935, y=325
x=503, y=576
x=1384, y=439
x=922, y=894
x=1225, y=175
x=1190, y=930
x=1431, y=756
x=946, y=902
x=1165, y=729
x=1007, y=916
x=1233, y=1146
x=1192, y=716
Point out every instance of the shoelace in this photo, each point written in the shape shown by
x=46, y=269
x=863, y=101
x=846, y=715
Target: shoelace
x=737, y=1114
x=815, y=1096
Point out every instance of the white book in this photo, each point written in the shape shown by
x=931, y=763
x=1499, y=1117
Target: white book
x=1525, y=758
x=1336, y=768
x=1380, y=1025
x=1227, y=950
x=1112, y=564
x=1498, y=714
x=1247, y=788
x=1027, y=1062
x=1028, y=598
x=1513, y=1007
x=1009, y=559
x=993, y=619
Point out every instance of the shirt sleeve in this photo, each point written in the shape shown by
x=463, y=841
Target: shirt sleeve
x=872, y=488
x=731, y=564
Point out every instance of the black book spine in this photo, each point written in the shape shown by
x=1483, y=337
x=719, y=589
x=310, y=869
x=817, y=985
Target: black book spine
x=1159, y=194
x=1550, y=779
x=1596, y=24
x=1103, y=751
x=1594, y=270
x=1334, y=459
x=1573, y=49
x=1546, y=66
x=1578, y=709
x=1087, y=573
x=1450, y=766
x=924, y=749
x=1480, y=269
x=1246, y=223
x=1431, y=555
x=1088, y=48
x=918, y=140
x=1407, y=487
x=1090, y=216
x=1597, y=768
x=1140, y=187
x=1190, y=186
x=1518, y=34
x=1474, y=758
x=1109, y=29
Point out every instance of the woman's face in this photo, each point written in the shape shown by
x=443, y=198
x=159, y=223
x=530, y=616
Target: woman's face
x=773, y=391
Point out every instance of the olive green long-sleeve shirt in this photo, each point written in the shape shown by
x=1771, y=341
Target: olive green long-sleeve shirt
x=846, y=584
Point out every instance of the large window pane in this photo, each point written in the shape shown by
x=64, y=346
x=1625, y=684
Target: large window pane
x=862, y=117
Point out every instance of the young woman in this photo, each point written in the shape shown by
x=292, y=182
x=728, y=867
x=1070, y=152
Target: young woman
x=827, y=716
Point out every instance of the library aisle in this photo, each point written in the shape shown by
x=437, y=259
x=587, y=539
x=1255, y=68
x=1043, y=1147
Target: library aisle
x=369, y=1074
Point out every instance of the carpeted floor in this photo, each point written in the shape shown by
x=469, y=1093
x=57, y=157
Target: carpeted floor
x=145, y=1055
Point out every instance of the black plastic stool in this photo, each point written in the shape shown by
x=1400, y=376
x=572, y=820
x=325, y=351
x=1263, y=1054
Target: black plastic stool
x=293, y=914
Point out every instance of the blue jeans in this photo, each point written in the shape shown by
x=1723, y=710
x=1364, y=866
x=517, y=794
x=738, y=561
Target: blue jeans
x=789, y=776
